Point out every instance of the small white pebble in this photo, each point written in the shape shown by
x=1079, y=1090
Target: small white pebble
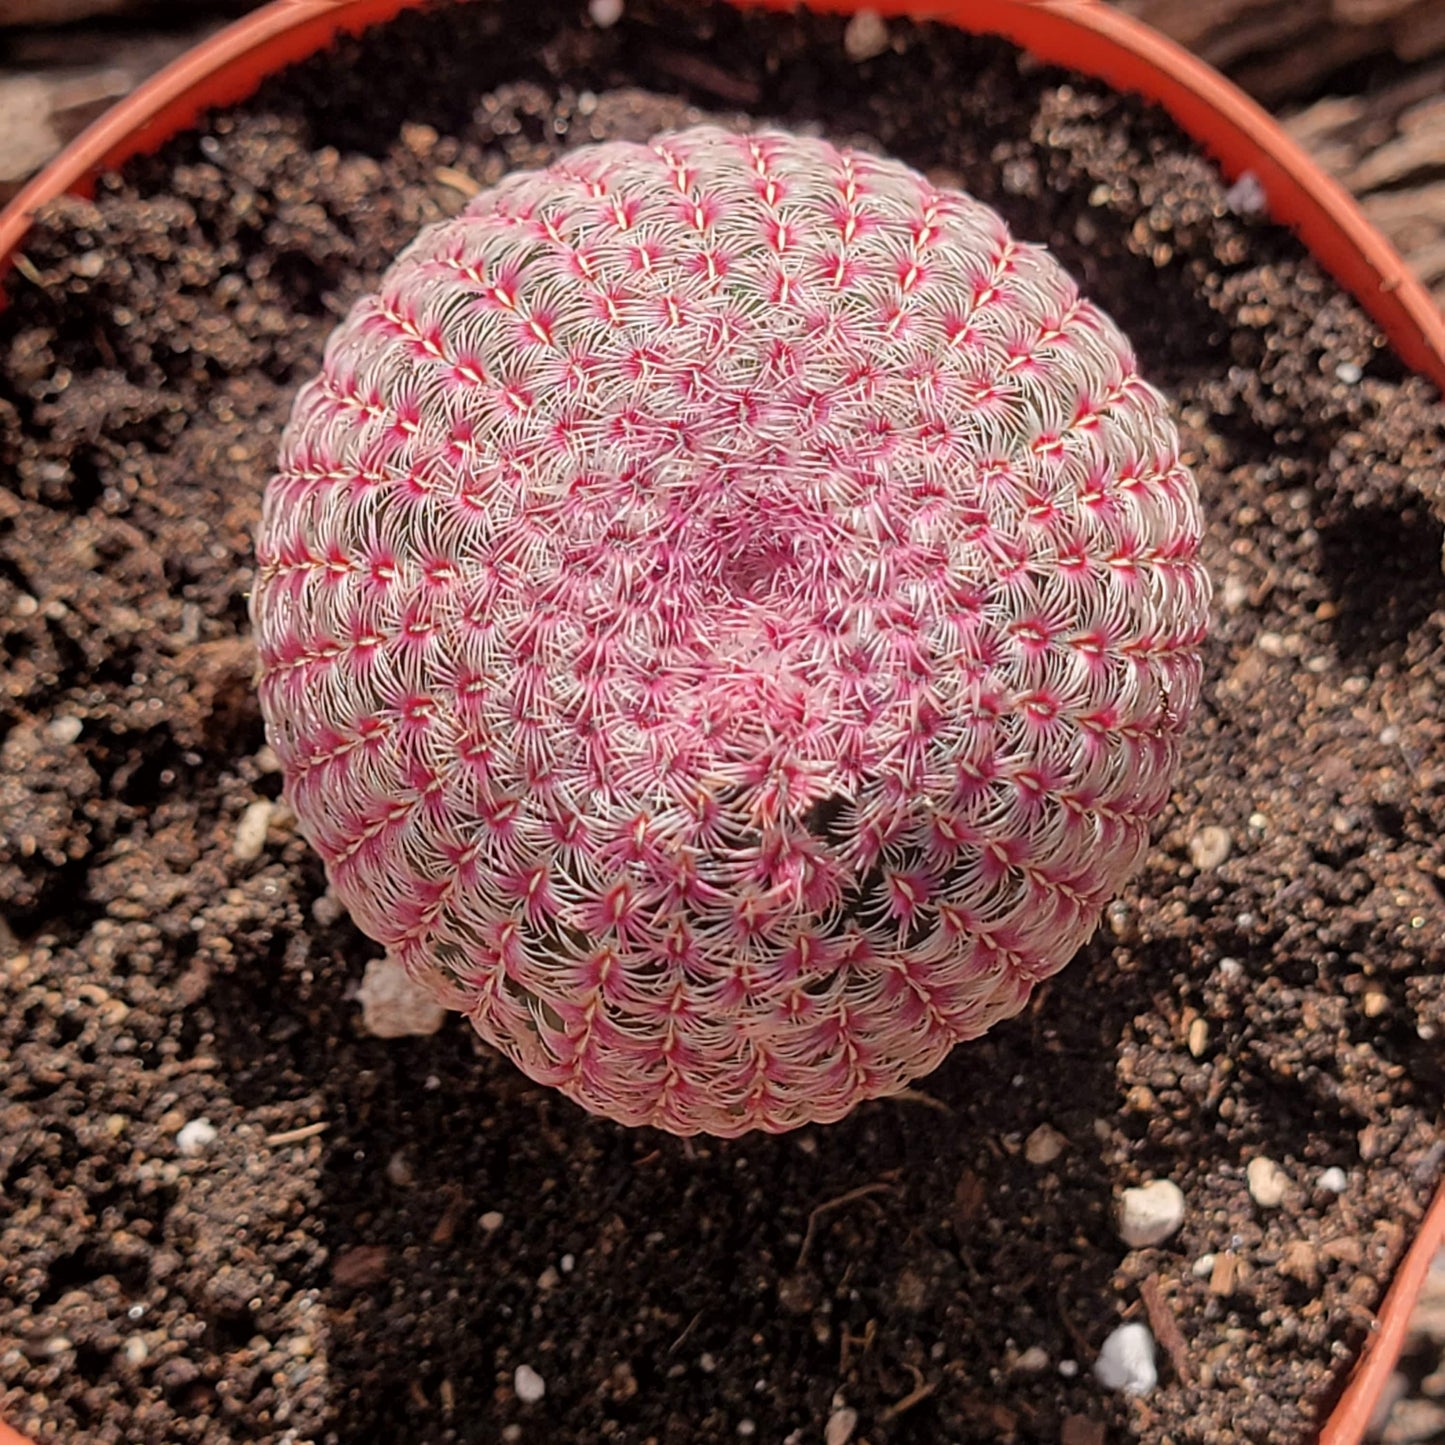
x=1202, y=1267
x=567, y=1263
x=1268, y=1183
x=747, y=1429
x=65, y=730
x=1231, y=970
x=251, y=830
x=327, y=909
x=528, y=1384
x=266, y=759
x=1235, y=594
x=491, y=1221
x=1151, y=1213
x=1198, y=1039
x=841, y=1425
x=866, y=36
x=196, y=1137
x=1122, y=921
x=1209, y=847
x=135, y=1350
x=1044, y=1145
x=1334, y=1180
x=512, y=1433
x=1068, y=1368
x=605, y=13
x=707, y=1363
x=1033, y=1359
x=1126, y=1360
x=1349, y=373
x=1246, y=197
x=392, y=1006
x=549, y=1278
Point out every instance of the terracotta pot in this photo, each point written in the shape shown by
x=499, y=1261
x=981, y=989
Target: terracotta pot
x=1084, y=35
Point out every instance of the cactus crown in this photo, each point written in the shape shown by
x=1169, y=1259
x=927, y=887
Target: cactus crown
x=726, y=612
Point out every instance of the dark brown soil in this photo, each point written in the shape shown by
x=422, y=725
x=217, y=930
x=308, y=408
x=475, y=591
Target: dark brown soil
x=381, y=1276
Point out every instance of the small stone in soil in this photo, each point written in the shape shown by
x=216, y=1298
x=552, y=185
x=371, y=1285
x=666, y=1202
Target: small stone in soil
x=1334, y=1180
x=491, y=1222
x=1198, y=1037
x=1126, y=1360
x=605, y=13
x=1151, y=1213
x=251, y=831
x=1268, y=1183
x=1032, y=1361
x=1209, y=847
x=327, y=909
x=392, y=1006
x=841, y=1425
x=196, y=1137
x=528, y=1384
x=1246, y=197
x=65, y=730
x=1044, y=1145
x=866, y=36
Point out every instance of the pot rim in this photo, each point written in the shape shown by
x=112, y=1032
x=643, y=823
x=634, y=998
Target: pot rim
x=1083, y=35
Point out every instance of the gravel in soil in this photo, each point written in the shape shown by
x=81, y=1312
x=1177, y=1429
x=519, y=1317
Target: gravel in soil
x=227, y=1215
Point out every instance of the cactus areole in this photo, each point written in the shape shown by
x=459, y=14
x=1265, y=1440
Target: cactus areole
x=726, y=612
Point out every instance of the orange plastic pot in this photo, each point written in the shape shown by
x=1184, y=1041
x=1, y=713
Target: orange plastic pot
x=1085, y=35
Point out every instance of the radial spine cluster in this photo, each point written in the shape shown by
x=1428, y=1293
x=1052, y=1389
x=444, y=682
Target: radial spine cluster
x=727, y=611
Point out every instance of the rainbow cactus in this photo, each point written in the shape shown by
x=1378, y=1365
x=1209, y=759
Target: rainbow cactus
x=727, y=611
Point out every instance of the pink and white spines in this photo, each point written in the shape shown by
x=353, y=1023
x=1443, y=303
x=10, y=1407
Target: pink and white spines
x=727, y=611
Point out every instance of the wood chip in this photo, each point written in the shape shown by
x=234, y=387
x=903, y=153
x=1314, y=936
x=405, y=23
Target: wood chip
x=1166, y=1328
x=1224, y=1275
x=297, y=1136
x=1080, y=1430
x=360, y=1265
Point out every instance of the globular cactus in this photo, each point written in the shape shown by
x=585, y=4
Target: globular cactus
x=727, y=611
